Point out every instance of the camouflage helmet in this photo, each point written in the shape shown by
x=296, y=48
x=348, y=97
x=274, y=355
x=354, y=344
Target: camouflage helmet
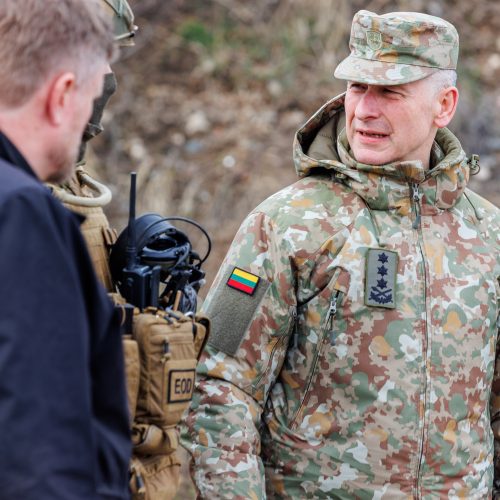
x=123, y=20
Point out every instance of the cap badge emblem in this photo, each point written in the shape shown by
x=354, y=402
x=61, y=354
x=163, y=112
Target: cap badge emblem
x=374, y=40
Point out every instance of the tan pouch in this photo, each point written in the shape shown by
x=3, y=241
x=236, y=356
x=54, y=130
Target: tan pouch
x=168, y=364
x=153, y=440
x=154, y=478
x=132, y=372
x=130, y=351
x=202, y=329
x=99, y=238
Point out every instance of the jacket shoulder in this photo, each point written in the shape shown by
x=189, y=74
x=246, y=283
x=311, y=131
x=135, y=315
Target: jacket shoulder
x=310, y=199
x=13, y=179
x=486, y=207
x=33, y=201
x=303, y=220
x=484, y=215
x=482, y=202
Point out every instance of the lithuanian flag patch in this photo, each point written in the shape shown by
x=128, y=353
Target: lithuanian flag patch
x=243, y=281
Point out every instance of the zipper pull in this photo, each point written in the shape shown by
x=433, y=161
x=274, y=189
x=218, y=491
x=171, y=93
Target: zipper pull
x=415, y=193
x=332, y=311
x=293, y=327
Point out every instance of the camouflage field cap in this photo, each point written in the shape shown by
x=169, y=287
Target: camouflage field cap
x=398, y=47
x=123, y=21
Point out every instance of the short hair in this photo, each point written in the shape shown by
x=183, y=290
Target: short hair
x=41, y=37
x=443, y=79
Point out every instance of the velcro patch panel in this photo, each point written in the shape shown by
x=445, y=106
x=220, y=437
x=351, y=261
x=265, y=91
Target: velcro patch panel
x=231, y=312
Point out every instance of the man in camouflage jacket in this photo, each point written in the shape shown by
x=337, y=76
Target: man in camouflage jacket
x=354, y=319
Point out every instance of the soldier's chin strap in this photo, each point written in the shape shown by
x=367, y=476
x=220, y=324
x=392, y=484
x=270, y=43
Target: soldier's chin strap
x=102, y=193
x=94, y=126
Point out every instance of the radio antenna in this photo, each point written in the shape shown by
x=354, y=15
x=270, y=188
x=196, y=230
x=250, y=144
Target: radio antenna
x=131, y=249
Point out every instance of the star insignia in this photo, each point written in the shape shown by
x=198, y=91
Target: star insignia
x=382, y=283
x=382, y=270
x=383, y=258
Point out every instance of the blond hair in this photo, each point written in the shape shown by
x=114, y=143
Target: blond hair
x=42, y=37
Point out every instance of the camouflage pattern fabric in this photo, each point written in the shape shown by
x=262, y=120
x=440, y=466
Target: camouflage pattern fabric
x=123, y=21
x=326, y=395
x=398, y=47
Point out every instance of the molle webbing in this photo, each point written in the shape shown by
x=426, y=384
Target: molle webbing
x=84, y=195
x=99, y=237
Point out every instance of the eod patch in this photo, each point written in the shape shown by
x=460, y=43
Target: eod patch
x=180, y=386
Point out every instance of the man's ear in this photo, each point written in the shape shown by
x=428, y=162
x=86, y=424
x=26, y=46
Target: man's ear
x=446, y=105
x=58, y=96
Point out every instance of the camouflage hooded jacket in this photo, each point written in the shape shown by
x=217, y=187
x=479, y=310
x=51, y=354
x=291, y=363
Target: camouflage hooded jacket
x=354, y=334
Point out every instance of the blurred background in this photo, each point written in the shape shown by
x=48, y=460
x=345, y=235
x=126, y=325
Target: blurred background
x=210, y=97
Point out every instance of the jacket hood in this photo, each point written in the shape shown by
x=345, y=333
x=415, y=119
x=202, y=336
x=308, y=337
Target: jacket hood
x=321, y=146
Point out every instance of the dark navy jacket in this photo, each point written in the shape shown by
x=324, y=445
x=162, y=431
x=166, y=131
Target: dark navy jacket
x=64, y=429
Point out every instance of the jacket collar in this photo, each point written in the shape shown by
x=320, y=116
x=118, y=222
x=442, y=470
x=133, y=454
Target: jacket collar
x=321, y=146
x=12, y=155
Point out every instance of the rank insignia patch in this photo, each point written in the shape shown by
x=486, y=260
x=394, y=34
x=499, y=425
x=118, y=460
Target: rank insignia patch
x=243, y=281
x=380, y=278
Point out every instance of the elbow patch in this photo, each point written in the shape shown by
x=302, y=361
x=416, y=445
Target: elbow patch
x=232, y=308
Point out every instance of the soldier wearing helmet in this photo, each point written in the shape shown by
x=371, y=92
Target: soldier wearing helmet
x=81, y=193
x=123, y=21
x=154, y=469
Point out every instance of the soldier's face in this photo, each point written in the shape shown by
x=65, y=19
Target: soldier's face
x=385, y=124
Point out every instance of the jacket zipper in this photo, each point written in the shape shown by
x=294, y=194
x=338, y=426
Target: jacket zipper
x=415, y=200
x=327, y=329
x=332, y=312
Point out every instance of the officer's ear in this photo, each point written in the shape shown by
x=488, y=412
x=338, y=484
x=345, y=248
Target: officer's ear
x=445, y=106
x=58, y=96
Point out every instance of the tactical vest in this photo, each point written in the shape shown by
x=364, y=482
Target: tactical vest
x=84, y=195
x=161, y=351
x=161, y=354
